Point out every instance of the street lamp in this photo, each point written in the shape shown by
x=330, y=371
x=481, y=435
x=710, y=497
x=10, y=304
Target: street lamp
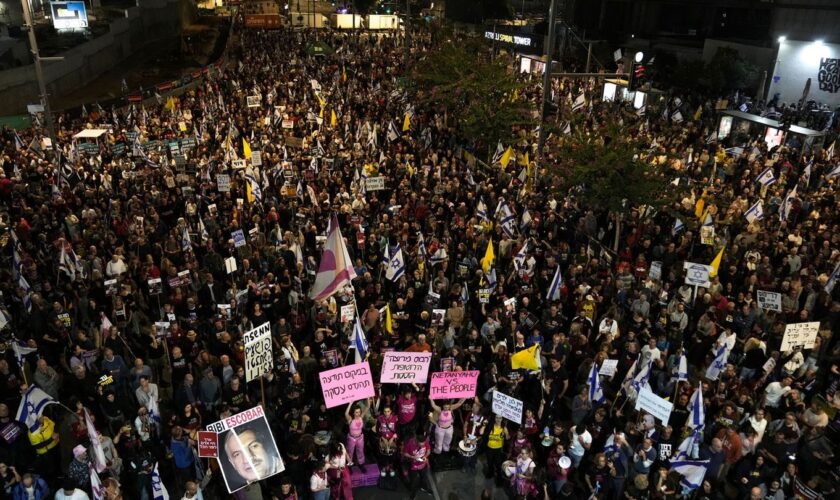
x=639, y=56
x=782, y=39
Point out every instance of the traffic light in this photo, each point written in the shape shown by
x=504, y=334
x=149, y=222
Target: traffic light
x=638, y=73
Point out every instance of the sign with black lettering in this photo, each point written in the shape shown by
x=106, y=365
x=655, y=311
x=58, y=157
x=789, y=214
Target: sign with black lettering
x=405, y=367
x=258, y=357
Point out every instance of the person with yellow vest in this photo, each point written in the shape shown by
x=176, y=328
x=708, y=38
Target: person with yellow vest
x=44, y=439
x=496, y=437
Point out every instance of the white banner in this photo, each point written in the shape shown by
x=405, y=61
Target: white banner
x=507, y=407
x=770, y=301
x=800, y=335
x=375, y=183
x=697, y=274
x=654, y=405
x=608, y=367
x=258, y=359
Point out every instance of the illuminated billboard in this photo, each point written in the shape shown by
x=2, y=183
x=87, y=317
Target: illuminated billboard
x=69, y=15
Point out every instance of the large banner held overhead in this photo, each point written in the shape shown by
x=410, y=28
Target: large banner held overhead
x=405, y=367
x=247, y=450
x=346, y=384
x=258, y=359
x=453, y=385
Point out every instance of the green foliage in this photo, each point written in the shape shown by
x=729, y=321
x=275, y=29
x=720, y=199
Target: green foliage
x=728, y=70
x=612, y=170
x=475, y=91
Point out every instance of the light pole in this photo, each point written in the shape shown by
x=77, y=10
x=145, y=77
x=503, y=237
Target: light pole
x=549, y=50
x=39, y=71
x=407, y=33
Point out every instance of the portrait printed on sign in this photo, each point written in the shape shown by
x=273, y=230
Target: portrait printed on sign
x=247, y=450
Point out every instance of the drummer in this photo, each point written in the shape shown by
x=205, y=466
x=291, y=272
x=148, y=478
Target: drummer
x=386, y=429
x=473, y=429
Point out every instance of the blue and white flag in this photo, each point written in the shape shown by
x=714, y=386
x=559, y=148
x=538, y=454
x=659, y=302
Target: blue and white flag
x=806, y=175
x=641, y=378
x=718, y=364
x=610, y=448
x=690, y=446
x=787, y=204
x=506, y=219
x=491, y=279
x=186, y=241
x=596, y=393
x=554, y=289
x=766, y=177
x=481, y=210
x=32, y=407
x=21, y=351
x=393, y=131
x=154, y=410
x=692, y=472
x=497, y=156
x=65, y=264
x=679, y=226
x=256, y=190
x=159, y=491
x=439, y=256
x=421, y=246
x=17, y=274
x=465, y=293
x=521, y=256
x=580, y=102
x=526, y=220
x=360, y=342
x=681, y=369
x=386, y=255
x=708, y=222
x=832, y=280
x=834, y=172
x=755, y=212
x=396, y=265
x=696, y=409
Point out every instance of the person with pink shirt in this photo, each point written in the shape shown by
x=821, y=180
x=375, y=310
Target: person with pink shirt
x=416, y=455
x=442, y=418
x=356, y=435
x=386, y=429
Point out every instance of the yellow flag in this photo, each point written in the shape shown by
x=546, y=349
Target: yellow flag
x=716, y=263
x=321, y=100
x=700, y=205
x=170, y=104
x=508, y=154
x=343, y=74
x=333, y=119
x=406, y=123
x=410, y=169
x=515, y=95
x=527, y=359
x=246, y=149
x=248, y=192
x=389, y=327
x=524, y=161
x=489, y=256
x=698, y=113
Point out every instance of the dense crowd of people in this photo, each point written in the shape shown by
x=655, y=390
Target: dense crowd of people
x=134, y=264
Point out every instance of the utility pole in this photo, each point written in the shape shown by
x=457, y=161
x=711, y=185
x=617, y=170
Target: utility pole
x=549, y=51
x=39, y=71
x=407, y=32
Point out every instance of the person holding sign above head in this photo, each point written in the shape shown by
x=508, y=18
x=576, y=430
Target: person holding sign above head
x=442, y=418
x=355, y=434
x=251, y=454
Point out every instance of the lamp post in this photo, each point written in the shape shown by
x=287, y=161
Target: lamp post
x=39, y=71
x=549, y=50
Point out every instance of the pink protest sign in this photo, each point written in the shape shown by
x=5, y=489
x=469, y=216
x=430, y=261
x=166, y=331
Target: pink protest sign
x=405, y=367
x=346, y=384
x=453, y=385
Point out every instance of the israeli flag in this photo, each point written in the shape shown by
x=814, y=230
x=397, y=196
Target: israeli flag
x=186, y=242
x=787, y=204
x=396, y=265
x=708, y=222
x=679, y=226
x=755, y=212
x=421, y=246
x=766, y=177
x=834, y=172
x=32, y=406
x=610, y=448
x=393, y=131
x=158, y=488
x=718, y=364
x=580, y=102
x=806, y=175
x=596, y=393
x=692, y=472
x=491, y=279
x=507, y=219
x=690, y=446
x=554, y=289
x=832, y=280
x=386, y=256
x=641, y=378
x=481, y=210
x=526, y=220
x=681, y=369
x=497, y=156
x=696, y=409
x=360, y=342
x=154, y=411
x=521, y=256
x=21, y=350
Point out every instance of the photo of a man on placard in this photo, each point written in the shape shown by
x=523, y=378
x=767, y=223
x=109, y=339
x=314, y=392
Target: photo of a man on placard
x=248, y=453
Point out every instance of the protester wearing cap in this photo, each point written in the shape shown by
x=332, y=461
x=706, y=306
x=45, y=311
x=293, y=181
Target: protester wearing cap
x=78, y=472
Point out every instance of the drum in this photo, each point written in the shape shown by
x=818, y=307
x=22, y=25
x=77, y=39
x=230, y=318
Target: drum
x=322, y=438
x=466, y=449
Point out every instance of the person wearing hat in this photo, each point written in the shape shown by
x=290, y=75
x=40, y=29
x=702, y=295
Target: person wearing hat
x=78, y=471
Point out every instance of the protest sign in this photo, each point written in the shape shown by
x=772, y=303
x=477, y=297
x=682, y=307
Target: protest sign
x=238, y=238
x=769, y=301
x=375, y=183
x=230, y=265
x=256, y=158
x=405, y=367
x=697, y=274
x=655, y=270
x=208, y=444
x=800, y=335
x=223, y=183
x=347, y=313
x=346, y=384
x=238, y=164
x=246, y=448
x=453, y=385
x=484, y=295
x=258, y=359
x=155, y=286
x=654, y=405
x=253, y=101
x=287, y=124
x=507, y=407
x=608, y=367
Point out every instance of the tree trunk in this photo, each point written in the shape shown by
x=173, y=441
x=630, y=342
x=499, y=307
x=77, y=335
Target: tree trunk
x=617, y=232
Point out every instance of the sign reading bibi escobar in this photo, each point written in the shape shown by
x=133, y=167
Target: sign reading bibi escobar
x=453, y=385
x=258, y=351
x=405, y=367
x=247, y=450
x=346, y=384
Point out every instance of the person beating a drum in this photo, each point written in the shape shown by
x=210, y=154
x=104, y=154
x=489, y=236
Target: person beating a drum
x=473, y=430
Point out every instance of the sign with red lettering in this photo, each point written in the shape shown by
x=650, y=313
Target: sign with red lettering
x=263, y=21
x=346, y=384
x=208, y=444
x=246, y=448
x=453, y=385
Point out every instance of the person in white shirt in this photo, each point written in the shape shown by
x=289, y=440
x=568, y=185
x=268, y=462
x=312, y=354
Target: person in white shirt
x=775, y=391
x=650, y=352
x=727, y=338
x=319, y=485
x=580, y=441
x=70, y=492
x=608, y=325
x=115, y=267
